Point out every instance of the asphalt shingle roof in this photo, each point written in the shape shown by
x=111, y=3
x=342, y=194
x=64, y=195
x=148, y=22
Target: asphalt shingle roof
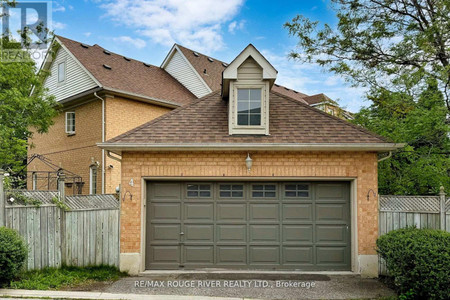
x=128, y=75
x=206, y=121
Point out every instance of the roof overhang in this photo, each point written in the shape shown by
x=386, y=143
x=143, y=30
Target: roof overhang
x=146, y=147
x=231, y=72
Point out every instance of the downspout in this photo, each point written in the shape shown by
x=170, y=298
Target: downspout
x=103, y=140
x=386, y=157
x=108, y=153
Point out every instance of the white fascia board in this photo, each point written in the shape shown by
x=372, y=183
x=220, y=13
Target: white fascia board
x=374, y=147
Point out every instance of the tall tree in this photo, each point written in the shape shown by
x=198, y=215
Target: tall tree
x=400, y=50
x=390, y=44
x=25, y=106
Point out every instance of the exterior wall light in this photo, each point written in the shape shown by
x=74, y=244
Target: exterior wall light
x=249, y=162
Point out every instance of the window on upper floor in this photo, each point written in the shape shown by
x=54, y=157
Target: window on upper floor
x=70, y=122
x=249, y=106
x=62, y=72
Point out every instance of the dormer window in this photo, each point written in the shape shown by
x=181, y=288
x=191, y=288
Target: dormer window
x=246, y=84
x=249, y=107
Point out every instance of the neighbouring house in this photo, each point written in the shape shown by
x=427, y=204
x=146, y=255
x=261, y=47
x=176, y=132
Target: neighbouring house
x=104, y=94
x=218, y=166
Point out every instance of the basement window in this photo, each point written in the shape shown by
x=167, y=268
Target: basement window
x=70, y=122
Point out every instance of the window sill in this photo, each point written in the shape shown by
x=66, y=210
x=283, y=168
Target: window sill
x=70, y=133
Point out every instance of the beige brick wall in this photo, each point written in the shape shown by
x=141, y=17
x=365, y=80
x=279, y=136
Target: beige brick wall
x=359, y=165
x=72, y=153
x=122, y=115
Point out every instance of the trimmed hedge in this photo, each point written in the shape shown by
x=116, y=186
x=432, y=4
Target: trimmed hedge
x=13, y=253
x=418, y=261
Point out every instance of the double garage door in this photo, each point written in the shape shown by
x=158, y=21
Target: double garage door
x=248, y=225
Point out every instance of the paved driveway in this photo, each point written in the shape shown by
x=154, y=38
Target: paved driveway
x=256, y=286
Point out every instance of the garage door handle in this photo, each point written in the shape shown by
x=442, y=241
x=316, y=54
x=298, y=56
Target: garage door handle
x=181, y=233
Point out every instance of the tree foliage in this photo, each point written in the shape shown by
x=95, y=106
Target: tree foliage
x=393, y=44
x=25, y=106
x=400, y=51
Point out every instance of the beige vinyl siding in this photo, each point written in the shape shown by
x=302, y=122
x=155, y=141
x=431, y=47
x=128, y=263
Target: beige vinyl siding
x=76, y=80
x=250, y=70
x=186, y=75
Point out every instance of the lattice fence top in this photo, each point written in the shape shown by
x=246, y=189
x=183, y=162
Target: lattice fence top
x=410, y=203
x=447, y=206
x=45, y=197
x=80, y=202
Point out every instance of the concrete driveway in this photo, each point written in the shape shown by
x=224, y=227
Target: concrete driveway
x=254, y=286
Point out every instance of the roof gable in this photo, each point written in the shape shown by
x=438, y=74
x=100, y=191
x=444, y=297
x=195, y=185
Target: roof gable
x=269, y=72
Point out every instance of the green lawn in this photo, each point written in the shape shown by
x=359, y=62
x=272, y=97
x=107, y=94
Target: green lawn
x=66, y=277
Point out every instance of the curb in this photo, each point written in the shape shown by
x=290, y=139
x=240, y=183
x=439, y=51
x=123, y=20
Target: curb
x=100, y=295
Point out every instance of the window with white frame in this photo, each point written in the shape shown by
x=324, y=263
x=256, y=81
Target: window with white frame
x=93, y=180
x=34, y=179
x=62, y=72
x=70, y=122
x=249, y=106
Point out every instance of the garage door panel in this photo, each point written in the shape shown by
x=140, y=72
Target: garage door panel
x=199, y=211
x=332, y=212
x=165, y=191
x=264, y=233
x=199, y=255
x=332, y=192
x=331, y=256
x=260, y=255
x=298, y=212
x=231, y=233
x=167, y=255
x=298, y=234
x=198, y=233
x=297, y=256
x=232, y=255
x=161, y=233
x=165, y=212
x=331, y=234
x=231, y=212
x=264, y=212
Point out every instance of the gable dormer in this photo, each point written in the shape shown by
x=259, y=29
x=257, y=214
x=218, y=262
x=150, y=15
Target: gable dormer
x=246, y=82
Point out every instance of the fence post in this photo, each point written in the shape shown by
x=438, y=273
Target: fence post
x=62, y=198
x=2, y=199
x=442, y=207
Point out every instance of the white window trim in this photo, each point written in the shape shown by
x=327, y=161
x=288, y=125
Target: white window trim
x=91, y=175
x=234, y=128
x=74, y=116
x=65, y=72
x=34, y=180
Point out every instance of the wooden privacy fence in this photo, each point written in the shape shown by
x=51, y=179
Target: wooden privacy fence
x=79, y=230
x=421, y=211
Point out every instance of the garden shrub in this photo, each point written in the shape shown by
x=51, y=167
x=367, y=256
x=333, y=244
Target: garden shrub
x=13, y=253
x=418, y=260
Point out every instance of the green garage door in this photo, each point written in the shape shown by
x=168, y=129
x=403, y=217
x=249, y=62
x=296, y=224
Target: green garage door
x=251, y=225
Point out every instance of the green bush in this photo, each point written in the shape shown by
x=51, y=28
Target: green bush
x=13, y=253
x=418, y=260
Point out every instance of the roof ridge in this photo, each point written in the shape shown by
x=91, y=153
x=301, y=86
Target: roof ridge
x=221, y=61
x=362, y=129
x=160, y=118
x=115, y=53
